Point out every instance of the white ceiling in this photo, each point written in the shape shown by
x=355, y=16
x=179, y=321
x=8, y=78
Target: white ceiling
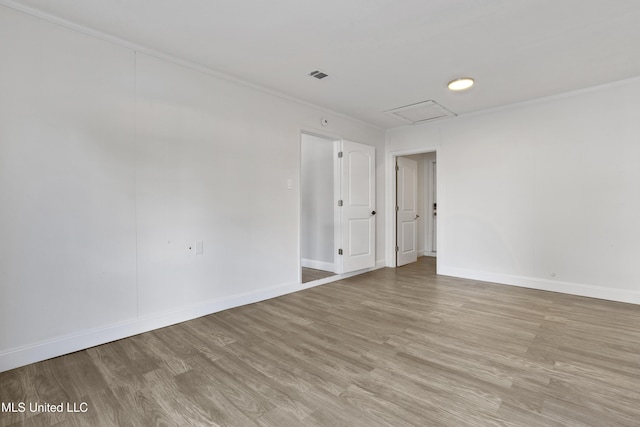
x=383, y=54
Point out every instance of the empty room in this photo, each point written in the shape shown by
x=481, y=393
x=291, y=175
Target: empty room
x=303, y=213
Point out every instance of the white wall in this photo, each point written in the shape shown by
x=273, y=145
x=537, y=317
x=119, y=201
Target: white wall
x=67, y=182
x=543, y=194
x=111, y=164
x=317, y=203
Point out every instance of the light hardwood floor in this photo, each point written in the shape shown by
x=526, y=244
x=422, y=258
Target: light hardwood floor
x=310, y=274
x=396, y=347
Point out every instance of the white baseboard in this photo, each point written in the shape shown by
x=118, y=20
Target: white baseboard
x=600, y=292
x=427, y=253
x=21, y=356
x=318, y=265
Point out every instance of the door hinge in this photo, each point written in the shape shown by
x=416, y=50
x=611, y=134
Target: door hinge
x=397, y=208
x=339, y=251
x=397, y=249
x=397, y=167
x=339, y=202
x=339, y=154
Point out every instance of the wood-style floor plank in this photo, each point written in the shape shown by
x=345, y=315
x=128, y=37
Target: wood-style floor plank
x=392, y=347
x=311, y=274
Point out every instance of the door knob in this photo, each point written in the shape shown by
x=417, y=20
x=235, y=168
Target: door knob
x=373, y=212
x=417, y=216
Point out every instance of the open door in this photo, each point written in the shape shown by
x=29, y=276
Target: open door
x=407, y=211
x=358, y=203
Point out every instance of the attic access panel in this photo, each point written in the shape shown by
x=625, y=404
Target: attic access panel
x=420, y=112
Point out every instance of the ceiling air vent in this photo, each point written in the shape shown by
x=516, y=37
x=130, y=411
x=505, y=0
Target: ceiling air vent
x=420, y=112
x=318, y=74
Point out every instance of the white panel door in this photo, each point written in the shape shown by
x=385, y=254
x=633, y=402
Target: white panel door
x=358, y=192
x=407, y=211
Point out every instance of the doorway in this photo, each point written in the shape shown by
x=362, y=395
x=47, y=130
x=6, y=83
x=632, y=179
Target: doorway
x=415, y=207
x=317, y=214
x=337, y=207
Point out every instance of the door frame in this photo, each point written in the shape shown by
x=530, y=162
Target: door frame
x=390, y=202
x=429, y=229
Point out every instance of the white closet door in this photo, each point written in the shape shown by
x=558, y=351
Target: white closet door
x=358, y=216
x=407, y=211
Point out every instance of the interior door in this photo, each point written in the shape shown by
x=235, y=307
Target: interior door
x=358, y=192
x=407, y=211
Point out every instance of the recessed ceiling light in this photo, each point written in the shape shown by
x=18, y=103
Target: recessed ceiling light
x=460, y=84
